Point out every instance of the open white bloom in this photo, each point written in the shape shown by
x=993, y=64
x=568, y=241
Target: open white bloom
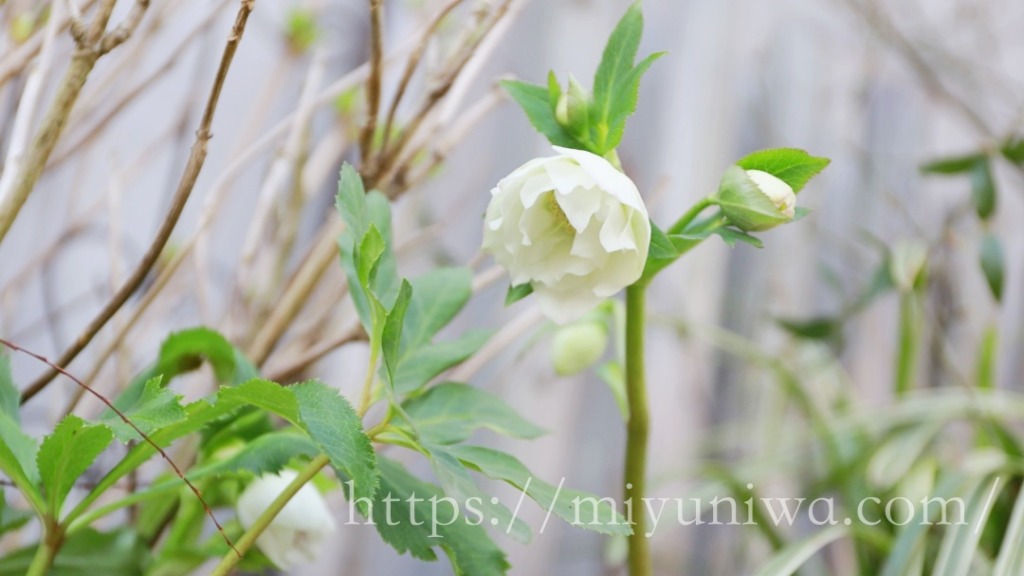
x=294, y=537
x=572, y=226
x=780, y=193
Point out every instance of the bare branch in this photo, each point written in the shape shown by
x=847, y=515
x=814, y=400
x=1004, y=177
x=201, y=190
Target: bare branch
x=185, y=186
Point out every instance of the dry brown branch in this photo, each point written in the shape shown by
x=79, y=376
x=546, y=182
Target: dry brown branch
x=372, y=83
x=188, y=181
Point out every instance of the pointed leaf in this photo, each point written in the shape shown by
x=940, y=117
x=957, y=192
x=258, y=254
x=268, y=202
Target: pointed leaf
x=993, y=264
x=579, y=509
x=66, y=454
x=469, y=549
x=983, y=188
x=451, y=412
x=517, y=293
x=791, y=165
x=437, y=297
x=427, y=362
x=533, y=99
x=155, y=408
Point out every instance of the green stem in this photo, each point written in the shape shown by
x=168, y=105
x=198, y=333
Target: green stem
x=47, y=550
x=366, y=398
x=636, y=429
x=906, y=360
x=690, y=214
x=231, y=559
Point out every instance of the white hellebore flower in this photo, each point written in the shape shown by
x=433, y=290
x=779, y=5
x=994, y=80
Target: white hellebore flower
x=296, y=534
x=572, y=226
x=780, y=193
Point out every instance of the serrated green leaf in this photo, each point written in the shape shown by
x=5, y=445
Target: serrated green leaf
x=791, y=165
x=10, y=399
x=336, y=428
x=533, y=99
x=517, y=293
x=469, y=549
x=451, y=412
x=18, y=460
x=626, y=94
x=983, y=189
x=351, y=202
x=66, y=454
x=185, y=351
x=953, y=164
x=425, y=363
x=155, y=408
x=265, y=394
x=437, y=297
x=457, y=482
x=579, y=509
x=266, y=454
x=993, y=264
x=87, y=553
x=617, y=81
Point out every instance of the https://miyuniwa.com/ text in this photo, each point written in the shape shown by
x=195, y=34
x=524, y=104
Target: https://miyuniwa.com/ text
x=437, y=512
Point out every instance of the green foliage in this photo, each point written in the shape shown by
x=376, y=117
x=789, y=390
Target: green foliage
x=469, y=549
x=66, y=454
x=87, y=553
x=336, y=428
x=978, y=166
x=451, y=412
x=533, y=99
x=157, y=407
x=421, y=365
x=617, y=81
x=575, y=119
x=17, y=449
x=580, y=509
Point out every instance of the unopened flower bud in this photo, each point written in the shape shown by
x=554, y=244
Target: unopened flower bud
x=754, y=200
x=906, y=263
x=578, y=346
x=572, y=109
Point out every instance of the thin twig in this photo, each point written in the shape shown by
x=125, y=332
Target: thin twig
x=128, y=421
x=372, y=82
x=185, y=186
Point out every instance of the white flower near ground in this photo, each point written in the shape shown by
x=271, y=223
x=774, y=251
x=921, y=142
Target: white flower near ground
x=572, y=226
x=295, y=536
x=780, y=193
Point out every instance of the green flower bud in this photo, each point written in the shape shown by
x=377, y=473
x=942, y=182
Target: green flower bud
x=572, y=109
x=754, y=200
x=907, y=264
x=578, y=346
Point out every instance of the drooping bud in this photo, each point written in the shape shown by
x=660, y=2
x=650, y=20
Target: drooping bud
x=578, y=346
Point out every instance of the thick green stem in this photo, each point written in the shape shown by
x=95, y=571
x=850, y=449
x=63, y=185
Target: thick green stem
x=231, y=559
x=636, y=430
x=694, y=211
x=48, y=546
